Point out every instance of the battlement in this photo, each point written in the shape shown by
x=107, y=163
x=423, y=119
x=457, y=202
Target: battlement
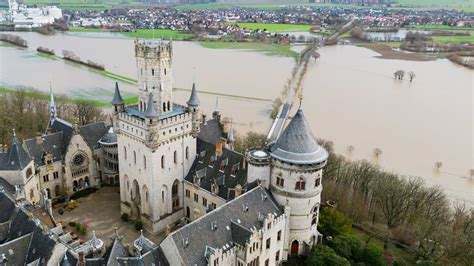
x=153, y=49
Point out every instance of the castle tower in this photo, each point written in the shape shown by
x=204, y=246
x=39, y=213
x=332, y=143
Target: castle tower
x=154, y=61
x=193, y=107
x=295, y=181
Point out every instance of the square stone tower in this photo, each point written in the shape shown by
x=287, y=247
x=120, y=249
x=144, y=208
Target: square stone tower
x=154, y=60
x=156, y=141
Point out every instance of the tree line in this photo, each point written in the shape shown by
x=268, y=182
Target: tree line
x=400, y=210
x=27, y=111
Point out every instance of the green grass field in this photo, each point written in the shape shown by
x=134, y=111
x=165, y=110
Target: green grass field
x=82, y=29
x=266, y=48
x=443, y=27
x=272, y=27
x=157, y=34
x=454, y=39
x=263, y=6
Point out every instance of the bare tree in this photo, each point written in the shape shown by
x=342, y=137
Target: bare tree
x=412, y=75
x=86, y=112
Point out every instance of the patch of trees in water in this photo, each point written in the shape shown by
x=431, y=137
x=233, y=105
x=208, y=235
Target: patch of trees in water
x=71, y=56
x=14, y=39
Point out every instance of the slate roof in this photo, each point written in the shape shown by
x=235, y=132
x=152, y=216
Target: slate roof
x=211, y=131
x=92, y=133
x=16, y=158
x=297, y=144
x=67, y=130
x=116, y=250
x=25, y=241
x=117, y=100
x=150, y=108
x=208, y=175
x=193, y=99
x=199, y=233
x=51, y=143
x=153, y=257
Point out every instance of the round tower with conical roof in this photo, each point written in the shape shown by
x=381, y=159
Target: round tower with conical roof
x=193, y=107
x=295, y=181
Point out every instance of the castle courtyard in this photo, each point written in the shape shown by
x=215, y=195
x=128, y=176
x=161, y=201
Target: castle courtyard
x=101, y=212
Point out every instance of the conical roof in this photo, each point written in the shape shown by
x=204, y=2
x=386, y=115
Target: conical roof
x=150, y=108
x=17, y=158
x=193, y=99
x=297, y=144
x=117, y=100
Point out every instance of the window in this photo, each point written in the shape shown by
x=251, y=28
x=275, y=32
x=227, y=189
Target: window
x=318, y=182
x=164, y=107
x=78, y=160
x=29, y=172
x=268, y=243
x=175, y=157
x=277, y=256
x=233, y=170
x=46, y=178
x=279, y=235
x=300, y=184
x=134, y=157
x=152, y=72
x=187, y=152
x=213, y=206
x=216, y=262
x=280, y=181
x=125, y=153
x=56, y=175
x=269, y=225
x=188, y=193
x=196, y=197
x=267, y=262
x=204, y=202
x=162, y=196
x=144, y=161
x=163, y=161
x=315, y=211
x=165, y=71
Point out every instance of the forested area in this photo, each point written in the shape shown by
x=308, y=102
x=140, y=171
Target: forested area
x=27, y=111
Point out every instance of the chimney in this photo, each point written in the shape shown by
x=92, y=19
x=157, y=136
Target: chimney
x=82, y=259
x=38, y=138
x=219, y=147
x=48, y=131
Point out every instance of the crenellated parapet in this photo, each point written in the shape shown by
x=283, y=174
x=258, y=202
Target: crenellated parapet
x=153, y=49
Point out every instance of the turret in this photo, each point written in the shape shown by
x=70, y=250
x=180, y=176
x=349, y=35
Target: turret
x=295, y=179
x=117, y=101
x=52, y=107
x=193, y=107
x=151, y=120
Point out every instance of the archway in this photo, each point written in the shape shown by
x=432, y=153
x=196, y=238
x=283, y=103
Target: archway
x=175, y=194
x=86, y=181
x=75, y=186
x=294, y=247
x=57, y=191
x=81, y=183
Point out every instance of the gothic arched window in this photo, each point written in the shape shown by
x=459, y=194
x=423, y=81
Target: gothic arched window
x=300, y=184
x=169, y=106
x=162, y=161
x=144, y=162
x=164, y=107
x=314, y=220
x=187, y=152
x=125, y=153
x=134, y=157
x=175, y=157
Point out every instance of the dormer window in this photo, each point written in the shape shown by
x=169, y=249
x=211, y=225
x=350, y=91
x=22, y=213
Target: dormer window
x=300, y=184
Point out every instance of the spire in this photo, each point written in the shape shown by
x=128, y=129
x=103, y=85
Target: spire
x=52, y=106
x=150, y=109
x=230, y=135
x=193, y=99
x=18, y=159
x=216, y=108
x=117, y=100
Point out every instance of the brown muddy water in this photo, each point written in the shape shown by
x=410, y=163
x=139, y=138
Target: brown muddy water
x=350, y=97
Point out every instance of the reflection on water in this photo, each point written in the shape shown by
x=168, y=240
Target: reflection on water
x=350, y=97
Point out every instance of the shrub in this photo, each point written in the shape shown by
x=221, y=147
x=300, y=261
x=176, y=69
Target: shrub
x=372, y=255
x=347, y=246
x=73, y=224
x=83, y=193
x=124, y=217
x=82, y=229
x=138, y=224
x=334, y=223
x=324, y=255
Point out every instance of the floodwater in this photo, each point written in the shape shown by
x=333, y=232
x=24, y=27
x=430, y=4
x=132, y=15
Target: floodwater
x=350, y=97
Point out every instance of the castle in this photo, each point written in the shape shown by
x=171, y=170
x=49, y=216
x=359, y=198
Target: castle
x=176, y=167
